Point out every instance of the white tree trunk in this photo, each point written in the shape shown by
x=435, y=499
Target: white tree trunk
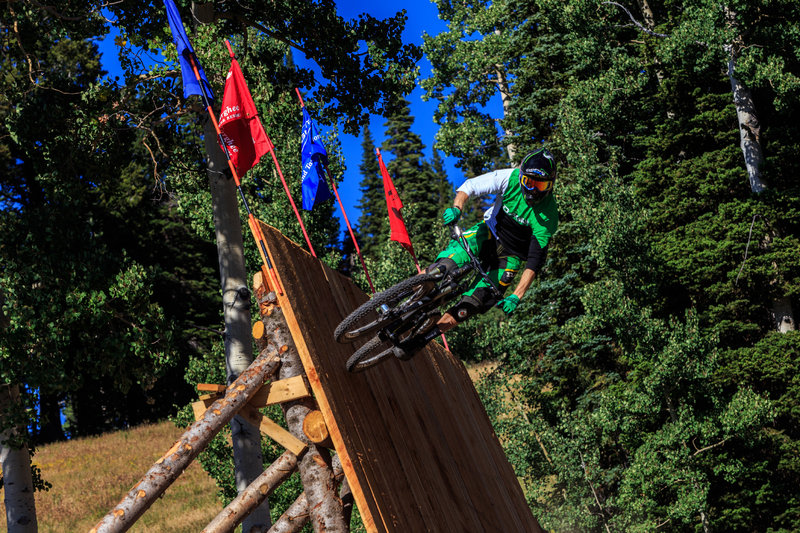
x=783, y=315
x=750, y=142
x=247, y=456
x=505, y=97
x=16, y=464
x=749, y=127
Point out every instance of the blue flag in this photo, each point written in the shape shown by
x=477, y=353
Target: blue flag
x=314, y=156
x=185, y=51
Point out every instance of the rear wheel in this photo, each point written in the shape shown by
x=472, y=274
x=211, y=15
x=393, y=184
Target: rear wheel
x=369, y=318
x=372, y=353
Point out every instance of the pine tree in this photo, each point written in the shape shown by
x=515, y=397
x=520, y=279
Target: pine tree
x=416, y=183
x=445, y=188
x=372, y=223
x=617, y=346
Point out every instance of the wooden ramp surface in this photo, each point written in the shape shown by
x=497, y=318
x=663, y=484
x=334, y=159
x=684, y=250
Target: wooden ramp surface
x=417, y=446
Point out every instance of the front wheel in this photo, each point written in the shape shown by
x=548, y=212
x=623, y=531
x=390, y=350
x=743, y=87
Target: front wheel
x=367, y=319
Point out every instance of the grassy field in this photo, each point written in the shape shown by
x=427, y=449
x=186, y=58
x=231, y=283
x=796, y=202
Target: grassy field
x=91, y=475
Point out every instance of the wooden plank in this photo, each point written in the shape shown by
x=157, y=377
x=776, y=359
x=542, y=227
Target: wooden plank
x=264, y=424
x=416, y=445
x=280, y=391
x=211, y=387
x=213, y=396
x=200, y=407
x=273, y=430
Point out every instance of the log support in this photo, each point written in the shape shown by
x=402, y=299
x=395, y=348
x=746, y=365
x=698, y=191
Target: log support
x=316, y=473
x=254, y=495
x=192, y=442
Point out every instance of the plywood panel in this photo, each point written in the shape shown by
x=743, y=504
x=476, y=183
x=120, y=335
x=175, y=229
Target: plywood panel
x=416, y=445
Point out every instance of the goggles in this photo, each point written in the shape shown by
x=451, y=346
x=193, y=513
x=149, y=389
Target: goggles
x=535, y=182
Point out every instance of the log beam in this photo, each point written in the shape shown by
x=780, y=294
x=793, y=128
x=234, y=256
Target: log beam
x=294, y=518
x=255, y=494
x=316, y=473
x=192, y=442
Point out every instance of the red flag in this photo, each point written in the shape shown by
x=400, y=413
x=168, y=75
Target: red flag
x=241, y=128
x=394, y=204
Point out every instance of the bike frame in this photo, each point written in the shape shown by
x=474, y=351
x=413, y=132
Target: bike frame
x=457, y=235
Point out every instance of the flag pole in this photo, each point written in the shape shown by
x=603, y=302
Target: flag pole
x=254, y=228
x=341, y=206
x=277, y=165
x=289, y=195
x=411, y=249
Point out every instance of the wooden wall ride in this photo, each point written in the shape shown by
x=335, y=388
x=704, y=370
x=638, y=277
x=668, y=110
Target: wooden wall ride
x=414, y=440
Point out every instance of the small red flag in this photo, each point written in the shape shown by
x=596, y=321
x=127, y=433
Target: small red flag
x=399, y=233
x=241, y=128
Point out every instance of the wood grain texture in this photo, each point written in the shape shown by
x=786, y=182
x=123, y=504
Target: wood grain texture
x=416, y=445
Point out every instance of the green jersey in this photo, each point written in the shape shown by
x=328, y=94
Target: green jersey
x=524, y=231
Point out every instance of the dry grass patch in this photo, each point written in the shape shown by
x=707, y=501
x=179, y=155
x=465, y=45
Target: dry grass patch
x=90, y=475
x=477, y=371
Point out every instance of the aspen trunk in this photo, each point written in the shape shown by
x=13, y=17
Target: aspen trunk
x=750, y=142
x=650, y=23
x=505, y=97
x=783, y=315
x=247, y=457
x=16, y=464
x=749, y=127
x=316, y=472
x=192, y=442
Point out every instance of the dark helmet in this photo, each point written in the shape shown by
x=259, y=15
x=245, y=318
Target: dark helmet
x=537, y=175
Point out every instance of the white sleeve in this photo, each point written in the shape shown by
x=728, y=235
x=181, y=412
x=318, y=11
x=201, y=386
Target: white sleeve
x=489, y=183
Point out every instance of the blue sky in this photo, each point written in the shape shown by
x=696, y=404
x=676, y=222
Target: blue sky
x=422, y=17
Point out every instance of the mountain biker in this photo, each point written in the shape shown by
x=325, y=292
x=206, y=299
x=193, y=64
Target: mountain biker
x=513, y=235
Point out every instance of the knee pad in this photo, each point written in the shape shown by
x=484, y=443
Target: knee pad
x=484, y=299
x=465, y=308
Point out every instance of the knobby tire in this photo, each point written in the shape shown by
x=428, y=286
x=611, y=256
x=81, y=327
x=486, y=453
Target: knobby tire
x=365, y=319
x=372, y=353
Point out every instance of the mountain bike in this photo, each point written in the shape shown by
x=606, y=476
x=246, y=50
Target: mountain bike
x=402, y=319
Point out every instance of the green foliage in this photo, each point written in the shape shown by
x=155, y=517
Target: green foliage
x=639, y=385
x=420, y=188
x=87, y=304
x=372, y=223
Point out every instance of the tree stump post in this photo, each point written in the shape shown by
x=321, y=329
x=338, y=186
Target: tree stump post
x=316, y=473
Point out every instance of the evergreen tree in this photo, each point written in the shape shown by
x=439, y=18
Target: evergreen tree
x=630, y=351
x=79, y=219
x=445, y=188
x=414, y=179
x=373, y=223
